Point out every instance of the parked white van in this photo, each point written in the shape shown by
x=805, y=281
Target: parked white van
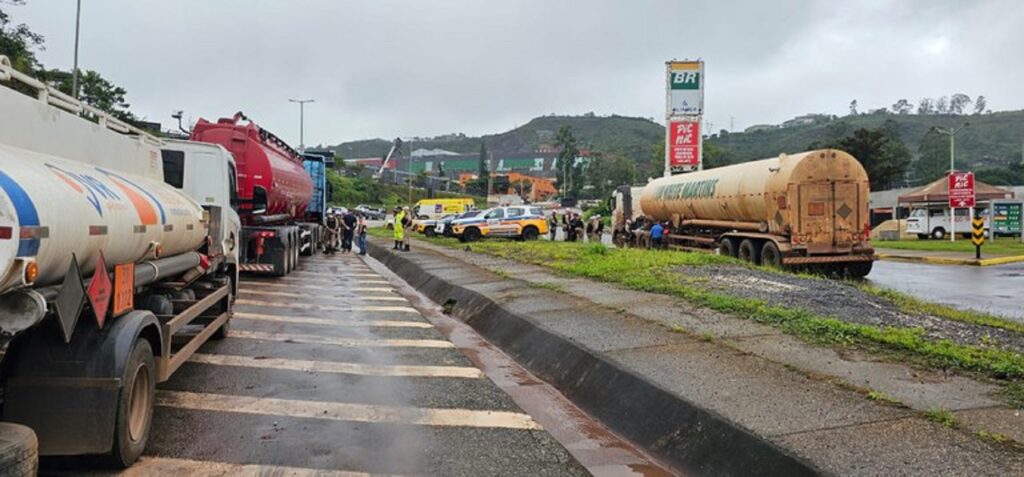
x=934, y=222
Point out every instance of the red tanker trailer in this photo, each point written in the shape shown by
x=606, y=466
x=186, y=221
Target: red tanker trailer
x=273, y=193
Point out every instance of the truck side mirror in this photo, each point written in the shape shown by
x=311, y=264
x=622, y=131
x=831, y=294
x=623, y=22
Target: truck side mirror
x=259, y=201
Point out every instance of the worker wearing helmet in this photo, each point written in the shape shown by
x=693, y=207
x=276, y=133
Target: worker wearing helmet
x=399, y=228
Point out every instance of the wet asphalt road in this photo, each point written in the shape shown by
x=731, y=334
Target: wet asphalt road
x=329, y=369
x=995, y=289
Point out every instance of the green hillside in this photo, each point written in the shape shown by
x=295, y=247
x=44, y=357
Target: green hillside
x=633, y=137
x=992, y=144
x=988, y=140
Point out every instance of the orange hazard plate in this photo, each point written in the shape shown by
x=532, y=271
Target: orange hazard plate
x=124, y=289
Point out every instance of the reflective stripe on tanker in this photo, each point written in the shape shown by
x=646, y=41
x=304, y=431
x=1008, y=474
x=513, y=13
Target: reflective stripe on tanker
x=27, y=215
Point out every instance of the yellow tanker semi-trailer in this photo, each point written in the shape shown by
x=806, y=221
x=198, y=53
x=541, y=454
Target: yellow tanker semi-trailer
x=807, y=209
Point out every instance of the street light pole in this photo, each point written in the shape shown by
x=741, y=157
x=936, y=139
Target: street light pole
x=302, y=121
x=74, y=72
x=952, y=168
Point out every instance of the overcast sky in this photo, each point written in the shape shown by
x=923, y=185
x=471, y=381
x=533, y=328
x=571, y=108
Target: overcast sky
x=386, y=68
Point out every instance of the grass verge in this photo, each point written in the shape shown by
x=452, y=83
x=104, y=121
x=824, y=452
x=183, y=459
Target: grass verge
x=653, y=271
x=910, y=304
x=999, y=246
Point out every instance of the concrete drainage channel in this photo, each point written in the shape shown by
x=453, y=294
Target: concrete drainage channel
x=690, y=438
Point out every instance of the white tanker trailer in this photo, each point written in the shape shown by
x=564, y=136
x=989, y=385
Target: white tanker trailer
x=806, y=210
x=109, y=278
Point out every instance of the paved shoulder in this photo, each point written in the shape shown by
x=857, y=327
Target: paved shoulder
x=329, y=371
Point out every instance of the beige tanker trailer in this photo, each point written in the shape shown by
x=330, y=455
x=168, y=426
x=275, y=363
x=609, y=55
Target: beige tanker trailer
x=795, y=210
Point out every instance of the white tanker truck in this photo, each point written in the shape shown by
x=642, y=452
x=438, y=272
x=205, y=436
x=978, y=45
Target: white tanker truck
x=109, y=277
x=806, y=210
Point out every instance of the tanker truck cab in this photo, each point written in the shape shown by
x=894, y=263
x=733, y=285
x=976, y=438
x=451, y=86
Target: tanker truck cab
x=206, y=172
x=127, y=281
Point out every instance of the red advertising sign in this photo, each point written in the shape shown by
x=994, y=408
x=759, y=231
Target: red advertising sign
x=961, y=189
x=683, y=143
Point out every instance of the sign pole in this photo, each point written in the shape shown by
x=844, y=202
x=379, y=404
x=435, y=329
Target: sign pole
x=952, y=224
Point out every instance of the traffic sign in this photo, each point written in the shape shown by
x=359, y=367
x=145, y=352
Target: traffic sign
x=978, y=231
x=961, y=190
x=978, y=235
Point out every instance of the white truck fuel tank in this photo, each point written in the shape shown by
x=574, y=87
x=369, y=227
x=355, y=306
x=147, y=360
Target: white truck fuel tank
x=51, y=208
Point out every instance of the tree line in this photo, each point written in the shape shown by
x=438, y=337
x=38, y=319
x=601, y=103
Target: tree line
x=20, y=44
x=955, y=104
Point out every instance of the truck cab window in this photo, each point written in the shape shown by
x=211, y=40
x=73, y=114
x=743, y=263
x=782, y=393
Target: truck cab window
x=174, y=167
x=232, y=185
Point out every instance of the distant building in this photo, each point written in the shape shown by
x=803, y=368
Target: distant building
x=760, y=127
x=805, y=120
x=538, y=164
x=432, y=152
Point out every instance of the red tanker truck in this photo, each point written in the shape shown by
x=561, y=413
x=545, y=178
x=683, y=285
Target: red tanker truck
x=273, y=194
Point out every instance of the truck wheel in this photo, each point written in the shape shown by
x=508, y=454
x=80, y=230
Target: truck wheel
x=19, y=450
x=727, y=247
x=749, y=252
x=471, y=234
x=135, y=405
x=530, y=233
x=858, y=269
x=939, y=233
x=770, y=255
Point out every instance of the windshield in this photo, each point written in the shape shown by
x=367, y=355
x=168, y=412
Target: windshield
x=919, y=213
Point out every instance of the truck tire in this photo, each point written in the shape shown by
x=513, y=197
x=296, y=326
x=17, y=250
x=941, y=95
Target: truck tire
x=135, y=405
x=749, y=251
x=471, y=234
x=727, y=247
x=858, y=270
x=939, y=233
x=770, y=255
x=530, y=233
x=19, y=450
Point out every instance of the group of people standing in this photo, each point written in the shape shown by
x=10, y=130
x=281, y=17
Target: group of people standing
x=574, y=227
x=343, y=229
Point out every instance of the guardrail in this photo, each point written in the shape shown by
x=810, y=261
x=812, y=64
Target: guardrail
x=54, y=97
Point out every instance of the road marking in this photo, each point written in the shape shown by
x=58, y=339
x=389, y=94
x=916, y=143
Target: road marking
x=269, y=304
x=337, y=411
x=322, y=297
x=203, y=468
x=310, y=320
x=314, y=287
x=347, y=342
x=336, y=274
x=412, y=371
x=330, y=281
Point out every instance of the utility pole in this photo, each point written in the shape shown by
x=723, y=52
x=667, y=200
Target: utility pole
x=952, y=168
x=302, y=121
x=74, y=72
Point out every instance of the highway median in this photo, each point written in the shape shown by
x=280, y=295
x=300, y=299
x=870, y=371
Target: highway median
x=605, y=303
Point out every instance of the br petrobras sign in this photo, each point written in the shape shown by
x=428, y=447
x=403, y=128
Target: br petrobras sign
x=685, y=83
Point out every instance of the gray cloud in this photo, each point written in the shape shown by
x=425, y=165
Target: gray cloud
x=400, y=68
